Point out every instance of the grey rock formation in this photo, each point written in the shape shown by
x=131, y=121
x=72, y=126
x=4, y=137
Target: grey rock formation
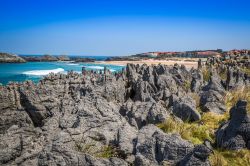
x=185, y=108
x=78, y=119
x=197, y=81
x=140, y=114
x=199, y=156
x=154, y=147
x=235, y=133
x=212, y=96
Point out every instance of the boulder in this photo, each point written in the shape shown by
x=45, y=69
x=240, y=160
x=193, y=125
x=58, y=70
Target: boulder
x=140, y=114
x=235, y=133
x=154, y=147
x=199, y=156
x=212, y=96
x=185, y=108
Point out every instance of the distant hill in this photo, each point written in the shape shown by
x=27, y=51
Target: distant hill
x=10, y=58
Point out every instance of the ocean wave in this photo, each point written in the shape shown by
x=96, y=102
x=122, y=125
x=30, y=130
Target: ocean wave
x=99, y=68
x=73, y=64
x=95, y=67
x=43, y=72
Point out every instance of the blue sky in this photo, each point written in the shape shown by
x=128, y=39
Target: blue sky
x=122, y=27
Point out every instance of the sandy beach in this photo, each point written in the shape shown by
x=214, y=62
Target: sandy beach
x=188, y=64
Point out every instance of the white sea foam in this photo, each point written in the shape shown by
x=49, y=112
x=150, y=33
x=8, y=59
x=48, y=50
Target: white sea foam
x=73, y=64
x=43, y=72
x=98, y=68
x=95, y=67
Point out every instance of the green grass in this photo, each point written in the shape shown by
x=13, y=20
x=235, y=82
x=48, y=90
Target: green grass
x=89, y=148
x=230, y=158
x=193, y=132
x=186, y=85
x=223, y=74
x=106, y=151
x=233, y=96
x=206, y=74
x=245, y=70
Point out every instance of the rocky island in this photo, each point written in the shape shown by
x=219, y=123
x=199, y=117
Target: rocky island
x=10, y=58
x=143, y=116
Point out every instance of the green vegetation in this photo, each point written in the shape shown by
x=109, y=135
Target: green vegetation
x=245, y=70
x=206, y=74
x=196, y=98
x=194, y=132
x=85, y=148
x=223, y=74
x=197, y=132
x=186, y=85
x=230, y=157
x=106, y=151
x=233, y=96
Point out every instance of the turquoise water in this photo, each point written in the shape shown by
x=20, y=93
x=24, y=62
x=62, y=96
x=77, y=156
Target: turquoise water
x=37, y=70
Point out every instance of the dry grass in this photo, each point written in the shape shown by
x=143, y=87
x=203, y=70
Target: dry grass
x=193, y=132
x=107, y=152
x=230, y=158
x=232, y=97
x=186, y=85
x=213, y=120
x=223, y=74
x=245, y=70
x=206, y=74
x=196, y=98
x=97, y=151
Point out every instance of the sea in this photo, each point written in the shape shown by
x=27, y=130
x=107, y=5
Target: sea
x=35, y=71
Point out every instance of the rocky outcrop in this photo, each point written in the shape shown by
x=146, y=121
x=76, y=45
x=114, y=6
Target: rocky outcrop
x=185, y=108
x=109, y=119
x=80, y=59
x=199, y=156
x=235, y=133
x=212, y=96
x=139, y=114
x=10, y=58
x=44, y=58
x=63, y=58
x=154, y=147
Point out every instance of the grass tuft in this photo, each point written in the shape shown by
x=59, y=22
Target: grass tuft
x=230, y=157
x=187, y=85
x=206, y=74
x=106, y=151
x=233, y=96
x=223, y=74
x=245, y=70
x=193, y=132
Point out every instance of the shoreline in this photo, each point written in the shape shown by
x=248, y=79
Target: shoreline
x=188, y=64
